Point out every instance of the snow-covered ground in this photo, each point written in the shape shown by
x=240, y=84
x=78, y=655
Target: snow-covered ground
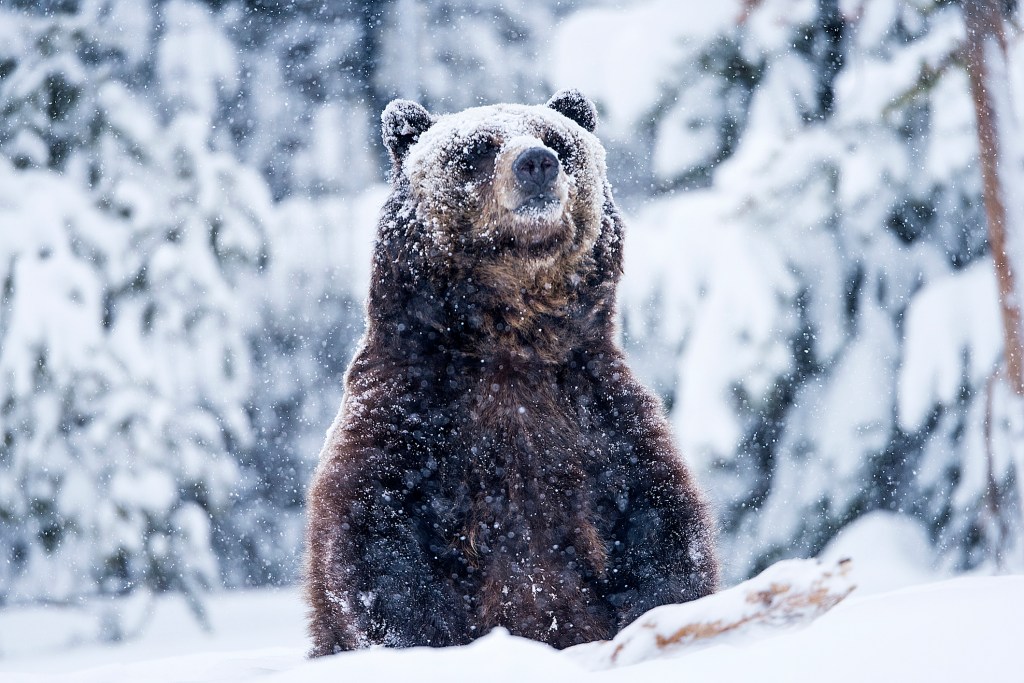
x=905, y=622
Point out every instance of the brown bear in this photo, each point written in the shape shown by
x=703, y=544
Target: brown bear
x=494, y=461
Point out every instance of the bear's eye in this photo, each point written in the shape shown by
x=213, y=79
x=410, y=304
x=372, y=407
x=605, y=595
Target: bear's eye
x=479, y=157
x=561, y=147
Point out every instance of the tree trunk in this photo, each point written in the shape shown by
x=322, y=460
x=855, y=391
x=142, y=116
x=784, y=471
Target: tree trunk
x=1002, y=171
x=987, y=67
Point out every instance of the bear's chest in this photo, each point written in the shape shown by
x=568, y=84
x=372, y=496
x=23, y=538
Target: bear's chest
x=516, y=474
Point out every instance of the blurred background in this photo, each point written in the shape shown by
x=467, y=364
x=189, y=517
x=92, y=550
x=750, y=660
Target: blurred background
x=189, y=190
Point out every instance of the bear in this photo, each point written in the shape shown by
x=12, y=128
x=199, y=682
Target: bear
x=494, y=461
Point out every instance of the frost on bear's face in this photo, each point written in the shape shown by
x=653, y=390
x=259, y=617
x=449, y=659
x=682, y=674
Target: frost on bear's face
x=504, y=180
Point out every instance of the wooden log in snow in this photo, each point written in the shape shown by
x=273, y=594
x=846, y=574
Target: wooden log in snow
x=787, y=593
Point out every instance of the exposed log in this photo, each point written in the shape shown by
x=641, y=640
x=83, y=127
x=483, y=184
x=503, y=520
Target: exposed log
x=787, y=593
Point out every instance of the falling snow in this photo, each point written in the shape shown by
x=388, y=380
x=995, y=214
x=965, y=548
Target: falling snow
x=188, y=201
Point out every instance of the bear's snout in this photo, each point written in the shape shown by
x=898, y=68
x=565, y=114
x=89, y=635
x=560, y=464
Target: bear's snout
x=536, y=170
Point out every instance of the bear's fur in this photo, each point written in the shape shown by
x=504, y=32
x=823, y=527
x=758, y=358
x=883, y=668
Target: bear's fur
x=494, y=461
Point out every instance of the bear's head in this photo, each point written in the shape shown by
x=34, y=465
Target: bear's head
x=512, y=199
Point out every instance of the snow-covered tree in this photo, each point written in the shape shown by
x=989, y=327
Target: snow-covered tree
x=794, y=294
x=315, y=77
x=125, y=365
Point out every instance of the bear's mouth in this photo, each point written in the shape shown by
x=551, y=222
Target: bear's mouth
x=540, y=206
x=540, y=221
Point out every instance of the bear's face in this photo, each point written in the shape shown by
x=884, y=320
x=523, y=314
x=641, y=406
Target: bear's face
x=502, y=183
x=500, y=237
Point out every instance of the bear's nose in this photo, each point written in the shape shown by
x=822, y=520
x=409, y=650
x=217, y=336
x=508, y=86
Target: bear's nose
x=536, y=169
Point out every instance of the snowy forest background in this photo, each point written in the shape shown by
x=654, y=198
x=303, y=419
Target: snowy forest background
x=188, y=193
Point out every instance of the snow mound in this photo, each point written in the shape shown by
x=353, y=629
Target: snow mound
x=889, y=551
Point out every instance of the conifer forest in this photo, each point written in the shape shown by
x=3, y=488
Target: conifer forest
x=824, y=263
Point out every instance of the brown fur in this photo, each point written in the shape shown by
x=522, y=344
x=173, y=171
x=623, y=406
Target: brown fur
x=494, y=461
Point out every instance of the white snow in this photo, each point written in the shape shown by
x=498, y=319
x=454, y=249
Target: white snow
x=891, y=552
x=722, y=289
x=951, y=151
x=687, y=136
x=955, y=630
x=597, y=51
x=953, y=331
x=54, y=641
x=768, y=24
x=195, y=60
x=872, y=85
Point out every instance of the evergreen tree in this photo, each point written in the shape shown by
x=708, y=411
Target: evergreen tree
x=814, y=295
x=126, y=372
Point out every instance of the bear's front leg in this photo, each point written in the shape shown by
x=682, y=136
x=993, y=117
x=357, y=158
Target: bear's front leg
x=662, y=537
x=401, y=600
x=372, y=577
x=664, y=554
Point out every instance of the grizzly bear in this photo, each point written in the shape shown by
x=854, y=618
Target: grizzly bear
x=494, y=461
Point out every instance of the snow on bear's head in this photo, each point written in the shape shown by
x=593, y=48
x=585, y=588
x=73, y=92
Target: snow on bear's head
x=502, y=180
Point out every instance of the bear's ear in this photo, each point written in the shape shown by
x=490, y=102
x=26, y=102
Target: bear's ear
x=572, y=104
x=402, y=123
